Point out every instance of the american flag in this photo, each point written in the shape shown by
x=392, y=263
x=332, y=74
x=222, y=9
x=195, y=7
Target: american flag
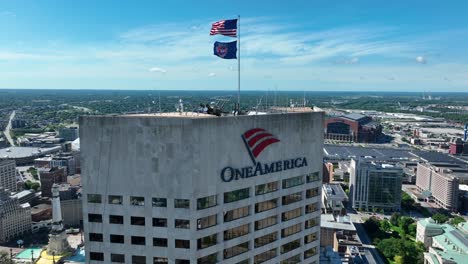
x=225, y=27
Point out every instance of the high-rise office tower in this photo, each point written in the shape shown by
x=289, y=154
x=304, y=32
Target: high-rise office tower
x=8, y=175
x=375, y=185
x=197, y=188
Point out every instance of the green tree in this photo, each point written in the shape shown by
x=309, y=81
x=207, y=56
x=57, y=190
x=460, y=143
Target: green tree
x=385, y=226
x=35, y=186
x=5, y=258
x=456, y=220
x=399, y=260
x=404, y=223
x=394, y=219
x=412, y=230
x=406, y=201
x=440, y=218
x=372, y=225
x=27, y=185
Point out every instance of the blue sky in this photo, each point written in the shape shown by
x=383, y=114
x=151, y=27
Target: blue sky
x=286, y=45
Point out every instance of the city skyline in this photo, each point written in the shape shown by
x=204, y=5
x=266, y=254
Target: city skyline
x=302, y=46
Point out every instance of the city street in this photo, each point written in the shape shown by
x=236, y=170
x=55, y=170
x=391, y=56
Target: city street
x=8, y=128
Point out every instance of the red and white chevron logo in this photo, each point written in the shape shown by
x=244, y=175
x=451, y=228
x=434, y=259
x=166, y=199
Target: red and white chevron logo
x=256, y=140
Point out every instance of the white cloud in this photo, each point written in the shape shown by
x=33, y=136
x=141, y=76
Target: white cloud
x=7, y=14
x=157, y=69
x=421, y=59
x=211, y=74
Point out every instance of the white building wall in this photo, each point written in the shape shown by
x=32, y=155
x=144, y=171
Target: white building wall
x=181, y=158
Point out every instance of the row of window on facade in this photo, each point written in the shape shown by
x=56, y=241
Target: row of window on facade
x=227, y=254
x=211, y=201
x=212, y=220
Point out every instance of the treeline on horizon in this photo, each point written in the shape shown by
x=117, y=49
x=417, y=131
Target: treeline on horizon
x=126, y=101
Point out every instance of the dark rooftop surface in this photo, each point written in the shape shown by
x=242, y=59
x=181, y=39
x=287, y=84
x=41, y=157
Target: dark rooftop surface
x=348, y=152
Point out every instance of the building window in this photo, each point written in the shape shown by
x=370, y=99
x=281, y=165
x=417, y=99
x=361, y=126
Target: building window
x=160, y=222
x=159, y=202
x=182, y=261
x=137, y=220
x=292, y=198
x=182, y=203
x=266, y=222
x=310, y=208
x=98, y=256
x=94, y=198
x=266, y=239
x=159, y=242
x=96, y=237
x=118, y=239
x=206, y=202
x=290, y=246
x=95, y=218
x=266, y=188
x=310, y=238
x=313, y=177
x=286, y=216
x=310, y=252
x=137, y=200
x=236, y=214
x=292, y=260
x=266, y=205
x=138, y=260
x=236, y=250
x=116, y=219
x=207, y=241
x=181, y=243
x=236, y=195
x=311, y=222
x=118, y=258
x=236, y=232
x=312, y=193
x=138, y=240
x=265, y=256
x=115, y=199
x=210, y=259
x=182, y=223
x=206, y=222
x=160, y=260
x=291, y=182
x=285, y=232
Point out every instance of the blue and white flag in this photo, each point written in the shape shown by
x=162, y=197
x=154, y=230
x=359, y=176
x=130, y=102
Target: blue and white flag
x=225, y=50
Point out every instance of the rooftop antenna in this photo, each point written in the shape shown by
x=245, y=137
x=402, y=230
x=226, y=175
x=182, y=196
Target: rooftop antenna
x=159, y=102
x=274, y=98
x=304, y=100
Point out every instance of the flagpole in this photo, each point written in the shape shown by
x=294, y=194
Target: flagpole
x=238, y=64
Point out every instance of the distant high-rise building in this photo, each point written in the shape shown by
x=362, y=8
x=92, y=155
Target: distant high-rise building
x=69, y=133
x=8, y=175
x=375, y=185
x=442, y=181
x=49, y=176
x=328, y=169
x=196, y=188
x=15, y=218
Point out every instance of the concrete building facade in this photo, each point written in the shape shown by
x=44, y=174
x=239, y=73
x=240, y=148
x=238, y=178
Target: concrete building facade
x=15, y=218
x=375, y=185
x=8, y=175
x=69, y=133
x=49, y=176
x=442, y=181
x=195, y=188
